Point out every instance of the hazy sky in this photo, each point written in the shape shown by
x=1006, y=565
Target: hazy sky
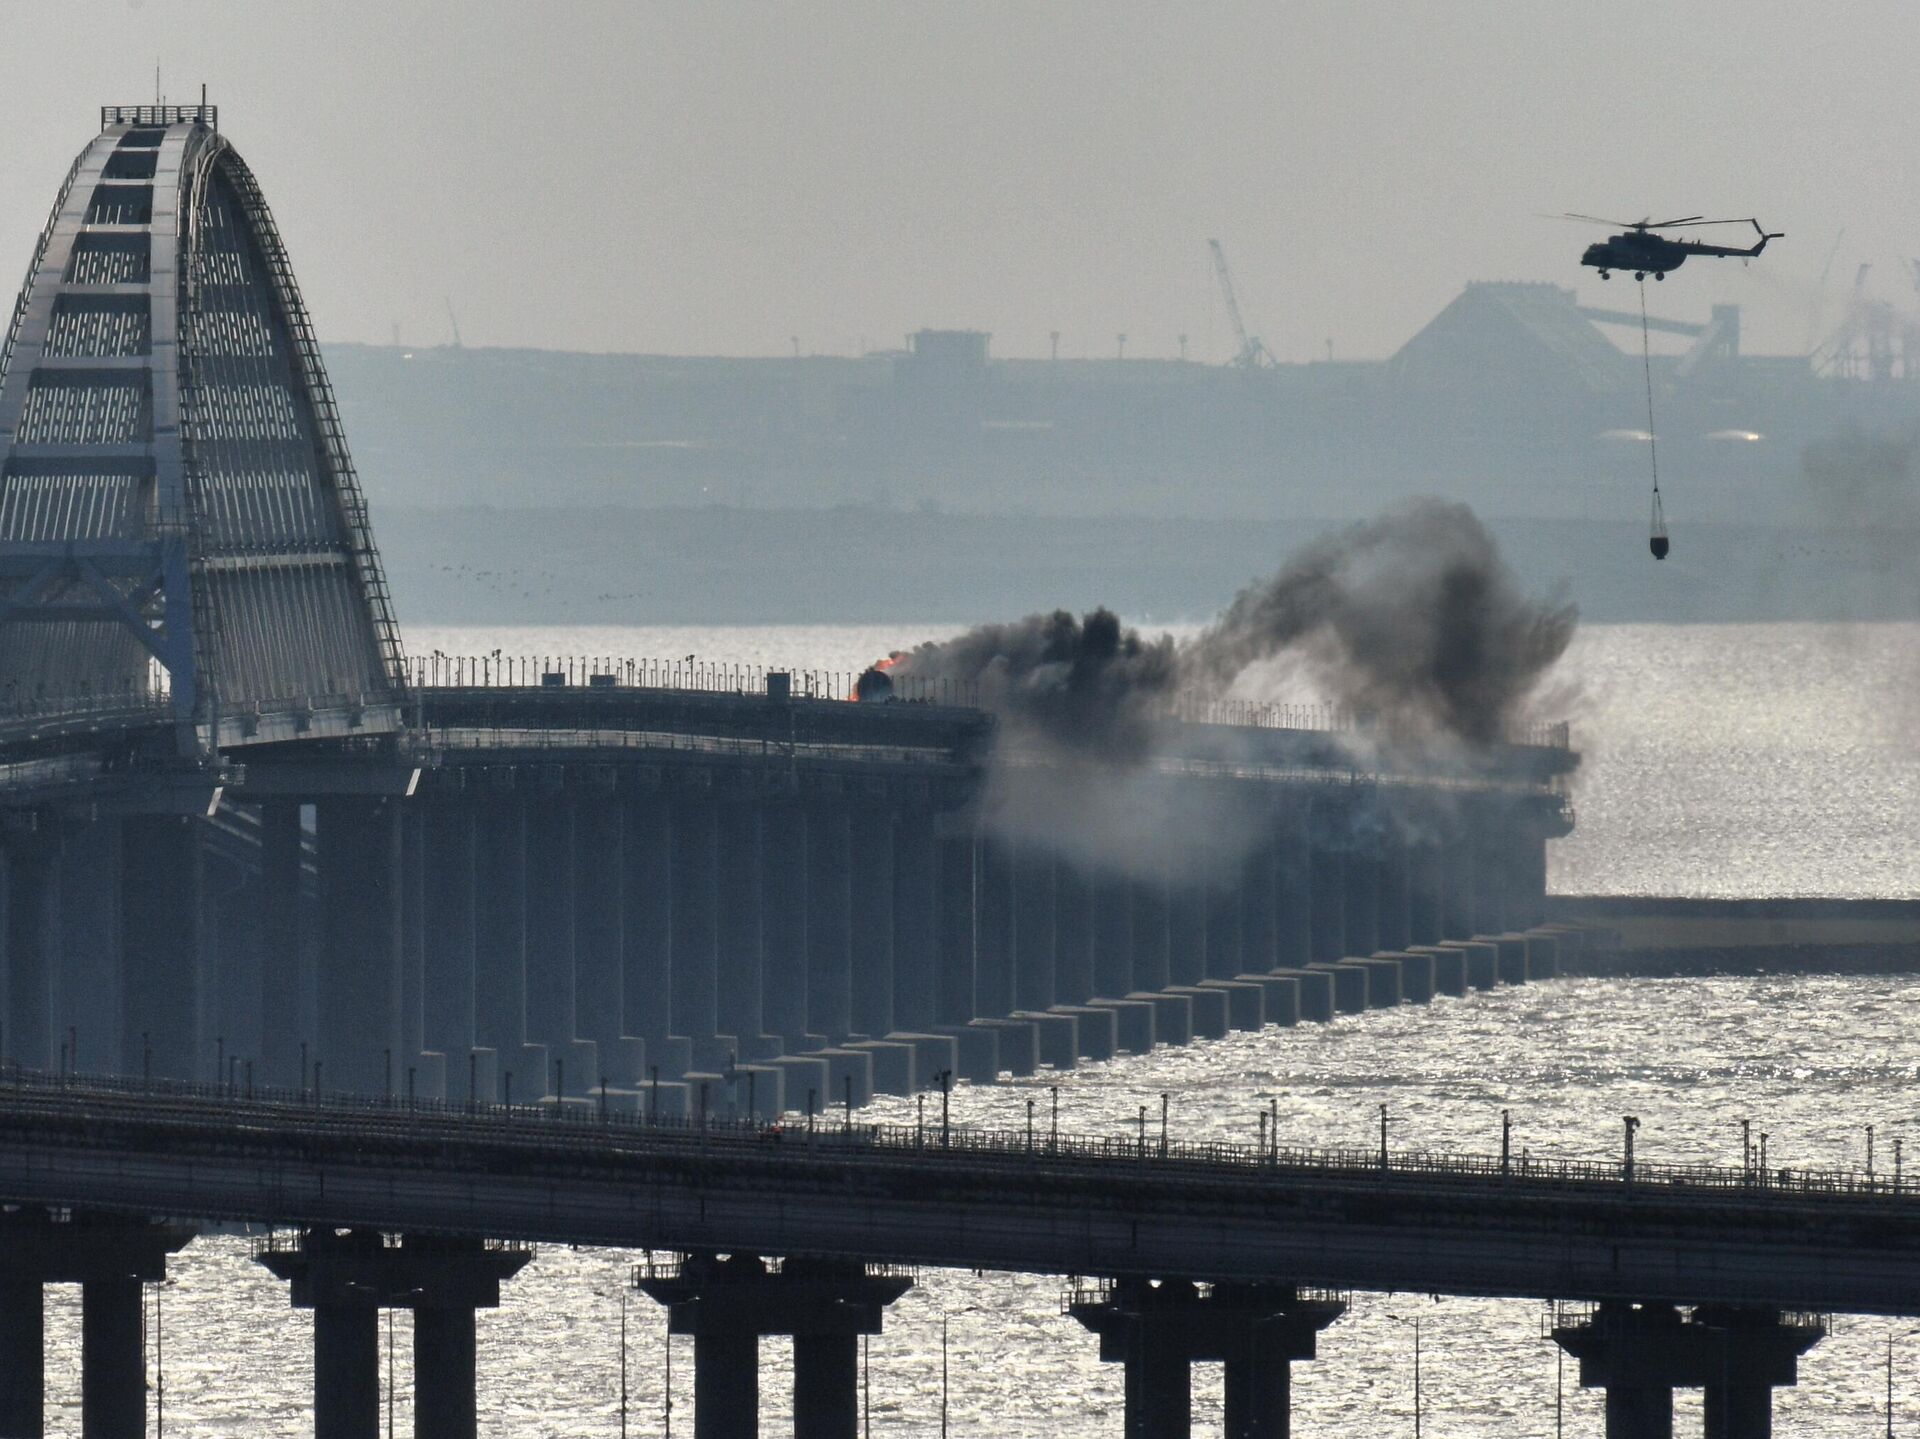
x=717, y=177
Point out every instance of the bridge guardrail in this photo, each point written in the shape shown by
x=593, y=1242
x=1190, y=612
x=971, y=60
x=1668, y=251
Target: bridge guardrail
x=564, y=1126
x=439, y=670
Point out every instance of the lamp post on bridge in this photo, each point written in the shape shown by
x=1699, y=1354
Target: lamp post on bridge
x=1891, y=1336
x=1631, y=1123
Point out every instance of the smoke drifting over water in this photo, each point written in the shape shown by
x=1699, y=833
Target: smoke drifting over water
x=1412, y=619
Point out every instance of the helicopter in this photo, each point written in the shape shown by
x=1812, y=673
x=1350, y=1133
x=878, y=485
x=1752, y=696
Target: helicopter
x=1645, y=253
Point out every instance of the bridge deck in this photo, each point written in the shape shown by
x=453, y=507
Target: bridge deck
x=972, y=1199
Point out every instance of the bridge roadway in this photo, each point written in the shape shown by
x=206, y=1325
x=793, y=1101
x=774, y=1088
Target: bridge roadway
x=1119, y=1207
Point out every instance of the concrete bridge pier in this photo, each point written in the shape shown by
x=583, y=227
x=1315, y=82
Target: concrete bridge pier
x=1292, y=889
x=162, y=883
x=914, y=962
x=1033, y=927
x=870, y=919
x=1160, y=1328
x=729, y=1304
x=347, y=1277
x=1641, y=1353
x=31, y=840
x=783, y=926
x=740, y=928
x=358, y=993
x=109, y=1258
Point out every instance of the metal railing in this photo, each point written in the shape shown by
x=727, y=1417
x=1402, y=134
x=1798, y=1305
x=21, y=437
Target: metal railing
x=577, y=1129
x=439, y=670
x=159, y=115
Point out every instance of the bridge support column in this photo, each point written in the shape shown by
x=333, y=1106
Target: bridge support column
x=1395, y=914
x=162, y=969
x=109, y=1258
x=1258, y=946
x=113, y=1370
x=1641, y=1353
x=694, y=999
x=1360, y=873
x=1160, y=1329
x=23, y=1357
x=32, y=843
x=550, y=919
x=729, y=1305
x=347, y=1278
x=870, y=879
x=740, y=923
x=915, y=958
x=1292, y=888
x=783, y=925
x=1073, y=935
x=993, y=929
x=500, y=929
x=829, y=922
x=1033, y=927
x=1327, y=901
x=282, y=894
x=359, y=982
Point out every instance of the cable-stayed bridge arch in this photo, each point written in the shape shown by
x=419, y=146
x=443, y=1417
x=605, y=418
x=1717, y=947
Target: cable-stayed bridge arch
x=182, y=533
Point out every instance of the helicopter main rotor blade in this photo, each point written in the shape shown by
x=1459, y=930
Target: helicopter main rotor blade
x=1696, y=220
x=1593, y=220
x=1669, y=224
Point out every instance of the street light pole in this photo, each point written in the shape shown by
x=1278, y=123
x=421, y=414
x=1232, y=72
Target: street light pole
x=1631, y=1125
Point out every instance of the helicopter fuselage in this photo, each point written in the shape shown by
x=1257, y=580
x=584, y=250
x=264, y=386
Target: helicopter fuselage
x=1640, y=253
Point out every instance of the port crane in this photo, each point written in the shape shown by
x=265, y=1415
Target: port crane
x=1253, y=353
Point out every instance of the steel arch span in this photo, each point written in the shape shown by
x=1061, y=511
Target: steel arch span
x=182, y=534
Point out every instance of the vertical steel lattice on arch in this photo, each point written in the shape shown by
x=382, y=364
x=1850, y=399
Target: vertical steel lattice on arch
x=182, y=533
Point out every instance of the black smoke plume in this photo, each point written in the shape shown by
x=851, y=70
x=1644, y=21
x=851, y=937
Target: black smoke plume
x=1090, y=683
x=1412, y=619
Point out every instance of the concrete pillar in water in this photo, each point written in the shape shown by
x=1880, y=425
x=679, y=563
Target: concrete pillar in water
x=113, y=1369
x=783, y=924
x=447, y=958
x=347, y=1278
x=1110, y=899
x=282, y=941
x=23, y=1362
x=550, y=917
x=729, y=1305
x=1484, y=830
x=1221, y=895
x=88, y=986
x=1033, y=927
x=1426, y=893
x=993, y=928
x=954, y=881
x=870, y=876
x=1326, y=878
x=693, y=999
x=1259, y=942
x=1148, y=921
x=916, y=959
x=1360, y=869
x=829, y=921
x=500, y=929
x=358, y=990
x=1292, y=885
x=32, y=849
x=1394, y=929
x=1073, y=934
x=1641, y=1353
x=109, y=1258
x=413, y=930
x=740, y=893
x=1457, y=884
x=1187, y=931
x=162, y=964
x=1159, y=1330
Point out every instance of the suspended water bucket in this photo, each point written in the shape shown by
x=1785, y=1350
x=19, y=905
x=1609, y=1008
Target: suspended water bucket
x=1657, y=538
